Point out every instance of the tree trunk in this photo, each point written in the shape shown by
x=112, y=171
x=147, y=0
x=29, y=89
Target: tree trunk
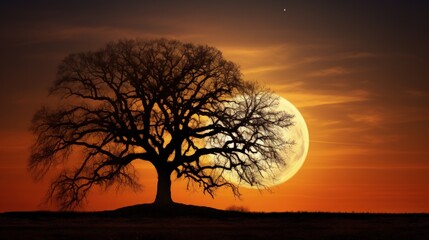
x=163, y=194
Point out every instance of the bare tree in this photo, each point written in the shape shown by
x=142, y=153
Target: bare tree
x=181, y=107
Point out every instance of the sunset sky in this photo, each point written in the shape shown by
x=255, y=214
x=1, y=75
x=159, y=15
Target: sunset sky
x=357, y=70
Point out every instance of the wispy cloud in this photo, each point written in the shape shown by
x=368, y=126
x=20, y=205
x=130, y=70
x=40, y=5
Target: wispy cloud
x=336, y=143
x=60, y=33
x=417, y=93
x=329, y=72
x=332, y=54
x=303, y=99
x=262, y=69
x=374, y=118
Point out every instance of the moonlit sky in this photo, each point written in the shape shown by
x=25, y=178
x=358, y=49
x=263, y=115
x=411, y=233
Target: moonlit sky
x=357, y=70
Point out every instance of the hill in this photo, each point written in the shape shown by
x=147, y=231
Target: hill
x=189, y=222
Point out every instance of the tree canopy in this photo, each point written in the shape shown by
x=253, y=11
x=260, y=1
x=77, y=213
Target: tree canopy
x=182, y=107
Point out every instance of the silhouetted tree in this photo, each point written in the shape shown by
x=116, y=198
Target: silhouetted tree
x=181, y=107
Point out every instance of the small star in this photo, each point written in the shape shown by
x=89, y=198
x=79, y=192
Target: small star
x=284, y=9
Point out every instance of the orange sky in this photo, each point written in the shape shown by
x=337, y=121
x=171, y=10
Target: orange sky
x=357, y=72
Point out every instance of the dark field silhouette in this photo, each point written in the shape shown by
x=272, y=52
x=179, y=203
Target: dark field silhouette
x=180, y=221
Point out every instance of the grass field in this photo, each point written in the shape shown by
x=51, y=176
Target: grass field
x=190, y=222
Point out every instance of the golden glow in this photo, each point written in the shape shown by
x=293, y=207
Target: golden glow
x=293, y=155
x=298, y=133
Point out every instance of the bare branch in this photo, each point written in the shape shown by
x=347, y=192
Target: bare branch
x=181, y=107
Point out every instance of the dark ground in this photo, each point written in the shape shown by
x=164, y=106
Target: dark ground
x=191, y=222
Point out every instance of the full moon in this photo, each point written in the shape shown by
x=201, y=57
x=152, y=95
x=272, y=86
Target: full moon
x=293, y=155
